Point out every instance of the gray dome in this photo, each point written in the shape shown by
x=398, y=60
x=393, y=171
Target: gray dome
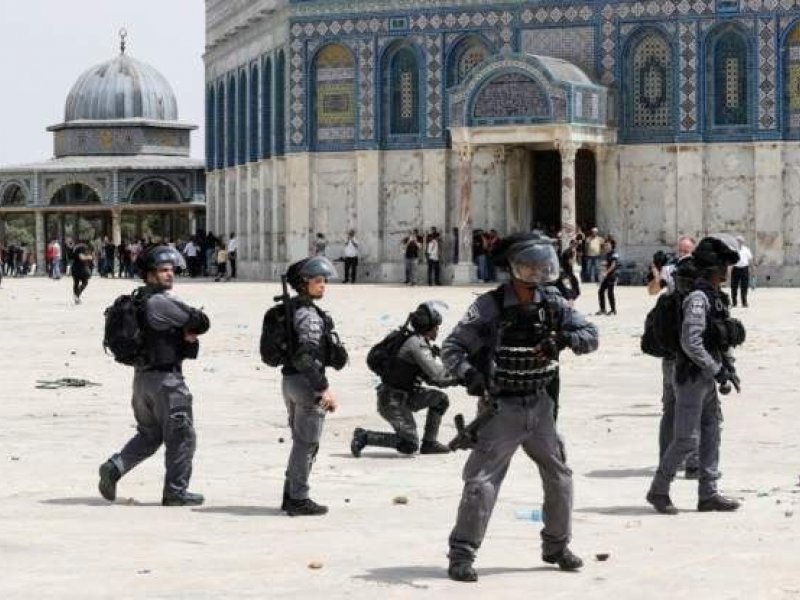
x=122, y=88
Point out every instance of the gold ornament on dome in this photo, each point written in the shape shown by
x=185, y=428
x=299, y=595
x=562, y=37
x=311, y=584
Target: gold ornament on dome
x=106, y=139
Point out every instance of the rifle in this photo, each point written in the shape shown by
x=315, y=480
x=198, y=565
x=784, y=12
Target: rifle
x=288, y=312
x=725, y=388
x=467, y=435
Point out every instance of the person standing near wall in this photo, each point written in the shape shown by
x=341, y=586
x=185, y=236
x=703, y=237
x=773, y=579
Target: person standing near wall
x=233, y=248
x=594, y=249
x=432, y=253
x=609, y=279
x=351, y=251
x=740, y=274
x=411, y=253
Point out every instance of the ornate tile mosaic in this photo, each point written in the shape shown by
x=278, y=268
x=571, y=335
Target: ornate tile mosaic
x=574, y=44
x=687, y=69
x=768, y=68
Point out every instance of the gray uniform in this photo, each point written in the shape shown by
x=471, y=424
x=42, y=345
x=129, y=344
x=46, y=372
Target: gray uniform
x=162, y=404
x=523, y=420
x=398, y=406
x=698, y=412
x=303, y=383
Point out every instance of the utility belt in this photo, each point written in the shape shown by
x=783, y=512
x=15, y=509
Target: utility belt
x=163, y=369
x=517, y=371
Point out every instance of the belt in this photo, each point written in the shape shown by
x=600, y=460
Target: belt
x=164, y=369
x=527, y=400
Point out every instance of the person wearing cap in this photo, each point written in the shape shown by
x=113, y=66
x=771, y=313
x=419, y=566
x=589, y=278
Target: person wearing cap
x=401, y=392
x=306, y=390
x=506, y=350
x=162, y=403
x=707, y=333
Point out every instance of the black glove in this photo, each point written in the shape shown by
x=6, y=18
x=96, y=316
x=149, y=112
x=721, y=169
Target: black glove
x=725, y=377
x=553, y=345
x=475, y=383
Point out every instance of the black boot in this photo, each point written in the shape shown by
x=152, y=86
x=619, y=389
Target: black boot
x=183, y=499
x=433, y=447
x=461, y=570
x=719, y=503
x=109, y=476
x=286, y=499
x=662, y=503
x=359, y=442
x=566, y=560
x=304, y=508
x=381, y=439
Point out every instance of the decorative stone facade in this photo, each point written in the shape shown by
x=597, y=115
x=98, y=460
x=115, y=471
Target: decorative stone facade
x=388, y=115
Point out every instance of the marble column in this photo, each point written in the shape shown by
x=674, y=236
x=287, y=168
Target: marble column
x=568, y=150
x=463, y=272
x=116, y=226
x=40, y=242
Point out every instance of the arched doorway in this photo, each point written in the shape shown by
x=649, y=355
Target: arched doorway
x=155, y=191
x=13, y=195
x=83, y=224
x=74, y=194
x=585, y=189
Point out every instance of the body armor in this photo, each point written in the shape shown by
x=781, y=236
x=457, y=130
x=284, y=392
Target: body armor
x=517, y=370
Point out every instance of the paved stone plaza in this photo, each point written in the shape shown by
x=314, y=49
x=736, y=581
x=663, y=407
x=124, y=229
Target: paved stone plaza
x=58, y=539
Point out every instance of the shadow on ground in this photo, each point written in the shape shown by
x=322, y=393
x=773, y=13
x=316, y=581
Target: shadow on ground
x=410, y=576
x=388, y=454
x=621, y=473
x=93, y=501
x=241, y=511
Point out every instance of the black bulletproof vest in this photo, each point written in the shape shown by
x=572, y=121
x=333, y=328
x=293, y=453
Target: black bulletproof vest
x=522, y=329
x=163, y=349
x=402, y=374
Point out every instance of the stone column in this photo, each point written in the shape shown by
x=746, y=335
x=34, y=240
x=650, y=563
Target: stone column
x=768, y=243
x=192, y=222
x=39, y=242
x=368, y=198
x=567, y=149
x=116, y=225
x=464, y=269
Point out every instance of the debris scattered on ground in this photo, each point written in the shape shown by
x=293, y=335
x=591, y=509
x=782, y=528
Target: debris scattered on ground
x=63, y=382
x=602, y=556
x=788, y=513
x=143, y=572
x=400, y=500
x=315, y=564
x=347, y=500
x=15, y=458
x=280, y=440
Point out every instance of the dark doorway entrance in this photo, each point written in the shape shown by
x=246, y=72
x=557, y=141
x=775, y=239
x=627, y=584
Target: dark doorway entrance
x=546, y=169
x=585, y=190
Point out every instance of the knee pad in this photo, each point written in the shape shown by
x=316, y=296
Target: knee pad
x=441, y=404
x=406, y=446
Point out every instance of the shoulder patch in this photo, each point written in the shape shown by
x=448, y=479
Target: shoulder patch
x=697, y=307
x=472, y=314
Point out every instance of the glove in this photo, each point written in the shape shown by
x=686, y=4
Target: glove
x=723, y=376
x=475, y=383
x=552, y=346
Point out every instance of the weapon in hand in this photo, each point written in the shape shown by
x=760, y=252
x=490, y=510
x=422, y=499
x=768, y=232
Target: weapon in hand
x=288, y=310
x=467, y=435
x=731, y=378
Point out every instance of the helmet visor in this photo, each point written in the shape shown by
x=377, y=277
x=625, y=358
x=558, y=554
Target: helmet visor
x=318, y=266
x=437, y=308
x=533, y=262
x=167, y=254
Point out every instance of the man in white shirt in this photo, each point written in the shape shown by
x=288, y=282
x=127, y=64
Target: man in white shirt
x=432, y=253
x=351, y=252
x=594, y=249
x=740, y=275
x=190, y=250
x=233, y=246
x=56, y=267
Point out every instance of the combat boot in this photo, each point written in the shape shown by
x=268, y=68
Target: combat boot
x=433, y=447
x=662, y=503
x=183, y=499
x=719, y=503
x=286, y=499
x=359, y=442
x=461, y=570
x=109, y=476
x=304, y=508
x=566, y=560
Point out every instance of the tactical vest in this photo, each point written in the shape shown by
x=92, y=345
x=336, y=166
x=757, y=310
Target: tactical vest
x=516, y=369
x=164, y=350
x=723, y=332
x=402, y=373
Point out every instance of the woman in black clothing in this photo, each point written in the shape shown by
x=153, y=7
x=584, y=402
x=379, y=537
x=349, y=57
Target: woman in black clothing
x=81, y=270
x=609, y=279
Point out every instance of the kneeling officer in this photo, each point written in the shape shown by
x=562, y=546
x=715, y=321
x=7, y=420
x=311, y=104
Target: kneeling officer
x=401, y=394
x=162, y=404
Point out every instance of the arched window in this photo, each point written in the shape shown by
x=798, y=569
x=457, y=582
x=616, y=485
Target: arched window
x=792, y=79
x=729, y=81
x=210, y=129
x=468, y=54
x=154, y=191
x=266, y=110
x=254, y=129
x=334, y=95
x=651, y=83
x=13, y=195
x=401, y=88
x=241, y=120
x=280, y=104
x=230, y=123
x=74, y=193
x=219, y=128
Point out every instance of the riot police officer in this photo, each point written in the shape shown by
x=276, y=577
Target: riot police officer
x=707, y=335
x=306, y=390
x=506, y=350
x=162, y=404
x=401, y=394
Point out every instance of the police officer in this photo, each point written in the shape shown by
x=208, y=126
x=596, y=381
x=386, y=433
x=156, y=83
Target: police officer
x=668, y=278
x=306, y=391
x=702, y=362
x=506, y=350
x=401, y=393
x=162, y=404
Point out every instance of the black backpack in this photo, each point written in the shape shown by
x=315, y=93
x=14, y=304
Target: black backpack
x=124, y=333
x=277, y=335
x=381, y=355
x=662, y=327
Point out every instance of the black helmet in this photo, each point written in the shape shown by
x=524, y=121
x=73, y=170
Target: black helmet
x=427, y=316
x=685, y=274
x=530, y=257
x=715, y=251
x=159, y=255
x=308, y=268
